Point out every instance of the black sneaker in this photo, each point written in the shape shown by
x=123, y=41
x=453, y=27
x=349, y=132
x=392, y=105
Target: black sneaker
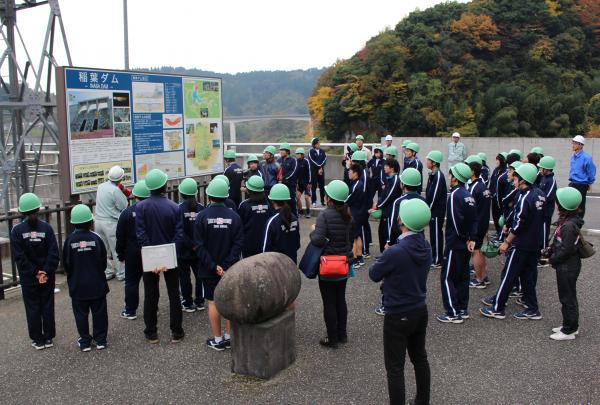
x=48, y=343
x=152, y=338
x=212, y=343
x=38, y=345
x=188, y=308
x=126, y=315
x=101, y=345
x=176, y=338
x=343, y=339
x=84, y=347
x=200, y=307
x=328, y=343
x=307, y=215
x=227, y=343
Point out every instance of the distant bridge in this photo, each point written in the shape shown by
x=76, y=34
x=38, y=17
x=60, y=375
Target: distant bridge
x=254, y=118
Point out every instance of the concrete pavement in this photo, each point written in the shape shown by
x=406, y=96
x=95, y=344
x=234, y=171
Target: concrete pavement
x=483, y=361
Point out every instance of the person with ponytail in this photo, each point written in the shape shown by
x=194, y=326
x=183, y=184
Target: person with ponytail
x=333, y=232
x=254, y=211
x=281, y=232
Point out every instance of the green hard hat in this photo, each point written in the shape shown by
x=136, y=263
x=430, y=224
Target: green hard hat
x=252, y=158
x=256, y=184
x=538, y=150
x=547, y=162
x=527, y=172
x=516, y=164
x=359, y=156
x=360, y=138
x=413, y=146
x=188, y=187
x=141, y=190
x=501, y=221
x=415, y=214
x=503, y=154
x=517, y=151
x=279, y=192
x=217, y=188
x=482, y=156
x=229, y=154
x=300, y=151
x=569, y=198
x=473, y=159
x=285, y=146
x=411, y=177
x=406, y=142
x=29, y=202
x=271, y=149
x=353, y=147
x=155, y=179
x=461, y=172
x=489, y=250
x=224, y=178
x=391, y=150
x=376, y=214
x=337, y=190
x=435, y=156
x=80, y=214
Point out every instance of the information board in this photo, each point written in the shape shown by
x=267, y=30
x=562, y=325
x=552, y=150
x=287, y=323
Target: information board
x=140, y=121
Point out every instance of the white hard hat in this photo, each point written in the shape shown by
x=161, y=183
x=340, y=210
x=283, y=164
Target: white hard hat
x=456, y=135
x=579, y=139
x=116, y=173
x=389, y=138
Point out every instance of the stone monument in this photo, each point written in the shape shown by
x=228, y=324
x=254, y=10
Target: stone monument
x=254, y=295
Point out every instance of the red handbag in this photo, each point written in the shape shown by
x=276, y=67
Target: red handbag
x=334, y=266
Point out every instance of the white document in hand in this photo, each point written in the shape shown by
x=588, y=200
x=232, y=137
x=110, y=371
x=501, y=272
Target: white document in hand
x=158, y=256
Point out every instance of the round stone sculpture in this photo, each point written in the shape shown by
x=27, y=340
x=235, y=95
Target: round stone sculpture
x=258, y=288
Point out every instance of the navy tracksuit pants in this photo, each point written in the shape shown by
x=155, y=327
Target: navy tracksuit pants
x=187, y=268
x=436, y=238
x=454, y=280
x=81, y=310
x=39, y=310
x=133, y=275
x=519, y=265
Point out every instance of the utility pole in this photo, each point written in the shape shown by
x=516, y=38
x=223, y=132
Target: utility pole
x=125, y=35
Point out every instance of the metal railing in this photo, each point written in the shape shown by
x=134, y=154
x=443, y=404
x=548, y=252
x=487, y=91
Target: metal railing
x=58, y=217
x=260, y=146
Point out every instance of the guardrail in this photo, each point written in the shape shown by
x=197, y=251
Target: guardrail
x=58, y=217
x=260, y=146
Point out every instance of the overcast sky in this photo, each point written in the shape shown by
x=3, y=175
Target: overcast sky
x=225, y=36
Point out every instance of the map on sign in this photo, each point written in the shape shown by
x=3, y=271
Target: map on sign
x=141, y=121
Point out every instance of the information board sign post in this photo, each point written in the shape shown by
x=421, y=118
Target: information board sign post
x=139, y=121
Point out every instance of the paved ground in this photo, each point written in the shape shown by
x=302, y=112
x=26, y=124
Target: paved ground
x=483, y=361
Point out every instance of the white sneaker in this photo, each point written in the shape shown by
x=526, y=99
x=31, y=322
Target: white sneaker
x=556, y=330
x=561, y=336
x=314, y=205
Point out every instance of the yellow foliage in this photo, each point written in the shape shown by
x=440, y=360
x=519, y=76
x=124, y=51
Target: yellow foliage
x=316, y=103
x=479, y=29
x=543, y=49
x=553, y=8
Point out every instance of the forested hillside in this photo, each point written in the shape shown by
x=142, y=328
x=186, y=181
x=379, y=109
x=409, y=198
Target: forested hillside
x=484, y=68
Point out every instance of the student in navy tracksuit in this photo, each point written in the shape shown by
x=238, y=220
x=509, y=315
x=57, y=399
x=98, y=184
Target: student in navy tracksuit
x=548, y=186
x=318, y=159
x=375, y=165
x=385, y=203
x=359, y=158
x=405, y=292
x=84, y=260
x=229, y=203
x=523, y=241
x=218, y=238
x=410, y=152
x=289, y=173
x=359, y=204
x=347, y=161
x=485, y=171
x=254, y=169
x=460, y=230
x=411, y=181
x=304, y=183
x=498, y=186
x=254, y=212
x=186, y=256
x=128, y=250
x=235, y=174
x=436, y=194
x=35, y=251
x=483, y=201
x=281, y=232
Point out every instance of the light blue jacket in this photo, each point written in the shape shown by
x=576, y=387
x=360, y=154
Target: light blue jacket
x=583, y=170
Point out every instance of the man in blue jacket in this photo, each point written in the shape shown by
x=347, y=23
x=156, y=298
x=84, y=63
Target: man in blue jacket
x=318, y=159
x=583, y=171
x=158, y=222
x=405, y=297
x=218, y=241
x=523, y=241
x=460, y=235
x=35, y=251
x=269, y=167
x=436, y=194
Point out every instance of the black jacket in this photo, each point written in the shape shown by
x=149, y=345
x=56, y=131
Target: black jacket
x=565, y=243
x=483, y=202
x=436, y=194
x=333, y=233
x=304, y=172
x=278, y=238
x=393, y=227
x=461, y=224
x=415, y=163
x=127, y=245
x=528, y=219
x=84, y=260
x=185, y=250
x=254, y=217
x=548, y=186
x=235, y=174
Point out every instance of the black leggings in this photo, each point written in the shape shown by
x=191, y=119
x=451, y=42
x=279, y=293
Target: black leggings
x=335, y=310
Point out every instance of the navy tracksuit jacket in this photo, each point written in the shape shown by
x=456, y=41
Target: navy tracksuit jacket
x=499, y=187
x=254, y=216
x=376, y=166
x=436, y=195
x=235, y=174
x=548, y=187
x=485, y=174
x=359, y=204
x=483, y=201
x=157, y=221
x=415, y=163
x=304, y=172
x=289, y=177
x=385, y=203
x=34, y=248
x=394, y=229
x=218, y=237
x=187, y=260
x=278, y=238
x=317, y=159
x=128, y=249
